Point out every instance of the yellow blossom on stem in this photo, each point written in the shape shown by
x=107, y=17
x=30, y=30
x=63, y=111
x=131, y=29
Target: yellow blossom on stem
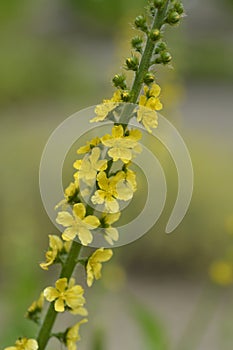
x=121, y=146
x=66, y=294
x=107, y=106
x=148, y=104
x=111, y=233
x=78, y=225
x=56, y=245
x=35, y=309
x=94, y=264
x=70, y=193
x=126, y=185
x=24, y=344
x=73, y=336
x=107, y=193
x=89, y=145
x=90, y=165
x=221, y=272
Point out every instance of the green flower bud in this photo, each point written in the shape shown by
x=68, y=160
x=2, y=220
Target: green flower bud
x=160, y=47
x=136, y=43
x=149, y=78
x=119, y=81
x=158, y=60
x=140, y=23
x=125, y=96
x=132, y=63
x=158, y=3
x=155, y=34
x=165, y=57
x=173, y=17
x=178, y=7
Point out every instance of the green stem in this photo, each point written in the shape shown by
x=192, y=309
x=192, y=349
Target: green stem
x=50, y=317
x=144, y=64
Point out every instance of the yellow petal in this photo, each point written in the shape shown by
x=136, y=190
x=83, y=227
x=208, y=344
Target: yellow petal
x=79, y=311
x=91, y=221
x=55, y=242
x=77, y=164
x=117, y=131
x=102, y=255
x=111, y=218
x=31, y=345
x=155, y=90
x=111, y=235
x=102, y=180
x=79, y=210
x=85, y=236
x=61, y=284
x=64, y=218
x=59, y=305
x=69, y=234
x=51, y=294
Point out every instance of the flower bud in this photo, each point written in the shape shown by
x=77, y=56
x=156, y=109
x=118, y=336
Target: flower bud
x=178, y=7
x=158, y=3
x=140, y=23
x=173, y=17
x=132, y=63
x=155, y=34
x=149, y=78
x=160, y=47
x=119, y=81
x=165, y=57
x=136, y=43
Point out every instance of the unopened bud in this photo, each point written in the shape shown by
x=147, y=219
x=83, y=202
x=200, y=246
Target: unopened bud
x=155, y=34
x=158, y=3
x=165, y=57
x=119, y=81
x=132, y=63
x=136, y=43
x=140, y=23
x=173, y=17
x=149, y=78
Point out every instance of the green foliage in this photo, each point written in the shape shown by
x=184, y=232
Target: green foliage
x=152, y=330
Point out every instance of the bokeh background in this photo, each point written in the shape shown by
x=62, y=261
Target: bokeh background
x=58, y=57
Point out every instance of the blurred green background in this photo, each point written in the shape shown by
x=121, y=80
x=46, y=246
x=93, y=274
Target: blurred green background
x=58, y=57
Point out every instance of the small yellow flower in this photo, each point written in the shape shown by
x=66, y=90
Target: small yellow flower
x=55, y=247
x=65, y=294
x=126, y=185
x=107, y=193
x=148, y=104
x=111, y=233
x=78, y=225
x=107, y=106
x=70, y=193
x=90, y=165
x=24, y=344
x=73, y=336
x=35, y=309
x=221, y=272
x=121, y=146
x=89, y=145
x=94, y=265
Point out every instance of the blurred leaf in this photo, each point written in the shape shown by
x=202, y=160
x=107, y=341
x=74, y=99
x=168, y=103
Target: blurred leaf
x=98, y=340
x=151, y=327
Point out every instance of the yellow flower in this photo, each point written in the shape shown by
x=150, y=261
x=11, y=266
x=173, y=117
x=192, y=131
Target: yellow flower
x=70, y=193
x=107, y=106
x=94, y=265
x=78, y=224
x=126, y=185
x=55, y=247
x=148, y=104
x=24, y=344
x=121, y=146
x=65, y=294
x=89, y=145
x=35, y=309
x=89, y=166
x=107, y=193
x=111, y=233
x=73, y=336
x=148, y=117
x=221, y=272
